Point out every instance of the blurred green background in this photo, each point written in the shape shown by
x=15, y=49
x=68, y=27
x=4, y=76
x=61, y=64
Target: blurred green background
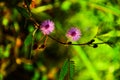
x=97, y=19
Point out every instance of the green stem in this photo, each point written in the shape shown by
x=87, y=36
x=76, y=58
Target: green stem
x=33, y=34
x=88, y=64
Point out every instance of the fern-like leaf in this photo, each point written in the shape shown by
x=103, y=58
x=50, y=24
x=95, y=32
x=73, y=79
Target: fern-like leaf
x=64, y=70
x=67, y=70
x=71, y=71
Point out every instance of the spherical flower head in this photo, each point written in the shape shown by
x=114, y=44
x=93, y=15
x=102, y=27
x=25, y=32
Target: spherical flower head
x=47, y=27
x=73, y=34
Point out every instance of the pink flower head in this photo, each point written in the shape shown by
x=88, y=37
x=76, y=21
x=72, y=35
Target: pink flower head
x=73, y=33
x=47, y=27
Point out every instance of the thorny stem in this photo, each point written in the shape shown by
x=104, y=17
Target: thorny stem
x=41, y=39
x=35, y=23
x=30, y=14
x=45, y=40
x=56, y=40
x=43, y=45
x=64, y=43
x=28, y=7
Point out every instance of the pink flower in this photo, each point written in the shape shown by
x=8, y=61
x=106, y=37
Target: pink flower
x=73, y=34
x=47, y=27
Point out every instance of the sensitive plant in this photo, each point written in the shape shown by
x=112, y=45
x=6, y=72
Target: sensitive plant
x=46, y=27
x=73, y=34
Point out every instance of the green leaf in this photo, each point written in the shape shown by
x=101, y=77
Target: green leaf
x=41, y=8
x=28, y=45
x=28, y=67
x=23, y=12
x=67, y=69
x=28, y=40
x=65, y=5
x=71, y=70
x=36, y=75
x=64, y=70
x=1, y=76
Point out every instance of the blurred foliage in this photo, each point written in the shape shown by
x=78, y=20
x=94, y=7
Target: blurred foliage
x=23, y=55
x=67, y=70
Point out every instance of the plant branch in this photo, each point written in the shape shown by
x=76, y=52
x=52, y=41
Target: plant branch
x=64, y=43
